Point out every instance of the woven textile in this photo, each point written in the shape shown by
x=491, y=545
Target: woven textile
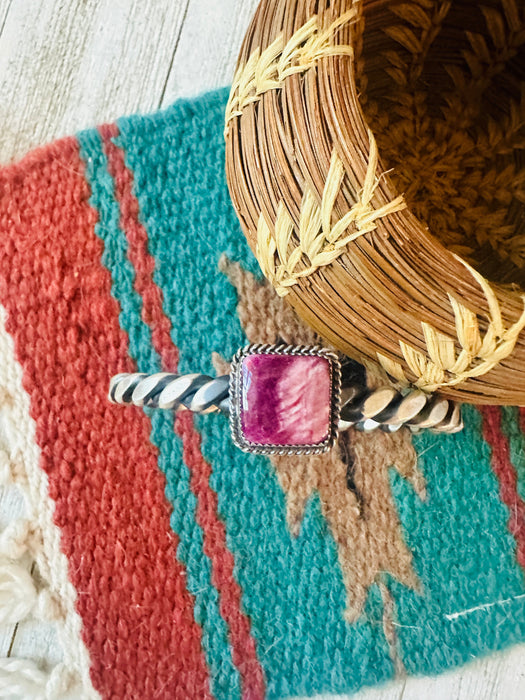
x=195, y=570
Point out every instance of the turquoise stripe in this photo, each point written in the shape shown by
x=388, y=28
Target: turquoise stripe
x=463, y=553
x=114, y=257
x=511, y=426
x=292, y=588
x=224, y=676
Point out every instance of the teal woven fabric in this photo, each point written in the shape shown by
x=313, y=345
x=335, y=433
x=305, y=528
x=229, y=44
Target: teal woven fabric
x=293, y=591
x=292, y=587
x=302, y=575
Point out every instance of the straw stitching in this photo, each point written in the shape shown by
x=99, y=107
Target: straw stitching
x=267, y=70
x=320, y=241
x=442, y=367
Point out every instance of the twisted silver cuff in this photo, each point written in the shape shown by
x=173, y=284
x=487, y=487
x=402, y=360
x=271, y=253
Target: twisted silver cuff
x=195, y=392
x=363, y=408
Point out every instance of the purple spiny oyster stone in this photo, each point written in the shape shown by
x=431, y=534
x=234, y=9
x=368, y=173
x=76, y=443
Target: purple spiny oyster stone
x=285, y=399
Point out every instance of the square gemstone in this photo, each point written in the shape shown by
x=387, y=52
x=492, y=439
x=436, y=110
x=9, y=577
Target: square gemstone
x=284, y=400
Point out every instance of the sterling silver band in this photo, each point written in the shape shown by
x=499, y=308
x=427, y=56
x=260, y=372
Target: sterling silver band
x=196, y=392
x=366, y=409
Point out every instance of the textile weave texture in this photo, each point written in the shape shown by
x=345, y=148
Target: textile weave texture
x=201, y=571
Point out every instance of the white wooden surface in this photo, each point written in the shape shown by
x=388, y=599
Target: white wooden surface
x=69, y=64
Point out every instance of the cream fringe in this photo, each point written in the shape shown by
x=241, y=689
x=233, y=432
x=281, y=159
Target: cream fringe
x=35, y=535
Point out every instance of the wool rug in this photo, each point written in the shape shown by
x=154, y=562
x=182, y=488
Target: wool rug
x=174, y=565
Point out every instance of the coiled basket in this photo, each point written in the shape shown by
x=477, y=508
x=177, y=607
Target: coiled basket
x=375, y=154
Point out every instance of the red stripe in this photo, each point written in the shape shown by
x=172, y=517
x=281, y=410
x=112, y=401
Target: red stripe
x=507, y=477
x=244, y=653
x=138, y=622
x=143, y=263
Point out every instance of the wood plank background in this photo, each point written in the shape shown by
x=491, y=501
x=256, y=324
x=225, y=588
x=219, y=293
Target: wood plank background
x=65, y=66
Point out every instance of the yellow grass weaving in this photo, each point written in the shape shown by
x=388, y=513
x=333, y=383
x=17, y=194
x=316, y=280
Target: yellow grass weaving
x=267, y=70
x=441, y=366
x=320, y=240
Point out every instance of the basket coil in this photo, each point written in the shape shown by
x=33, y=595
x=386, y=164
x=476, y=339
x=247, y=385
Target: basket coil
x=375, y=154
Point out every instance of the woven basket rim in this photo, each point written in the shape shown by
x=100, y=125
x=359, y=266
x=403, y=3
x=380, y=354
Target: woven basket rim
x=459, y=295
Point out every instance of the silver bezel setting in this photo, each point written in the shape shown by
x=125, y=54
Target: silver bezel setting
x=236, y=398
